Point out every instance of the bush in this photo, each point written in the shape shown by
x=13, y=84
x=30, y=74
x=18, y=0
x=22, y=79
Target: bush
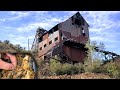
x=113, y=69
x=92, y=66
x=61, y=69
x=74, y=69
x=66, y=68
x=55, y=67
x=80, y=68
x=69, y=69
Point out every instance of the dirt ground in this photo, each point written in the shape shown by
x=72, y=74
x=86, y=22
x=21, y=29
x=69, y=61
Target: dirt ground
x=79, y=76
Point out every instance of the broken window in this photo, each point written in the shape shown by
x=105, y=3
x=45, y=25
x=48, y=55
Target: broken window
x=83, y=34
x=40, y=48
x=44, y=45
x=77, y=22
x=83, y=31
x=56, y=38
x=45, y=57
x=50, y=42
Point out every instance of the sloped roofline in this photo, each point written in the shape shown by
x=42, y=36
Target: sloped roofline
x=83, y=18
x=73, y=15
x=67, y=19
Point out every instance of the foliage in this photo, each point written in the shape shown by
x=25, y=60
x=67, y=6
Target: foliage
x=92, y=54
x=92, y=66
x=18, y=46
x=61, y=69
x=93, y=61
x=55, y=67
x=6, y=41
x=113, y=69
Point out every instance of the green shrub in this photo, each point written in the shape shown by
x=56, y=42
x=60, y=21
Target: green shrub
x=61, y=69
x=55, y=67
x=74, y=69
x=79, y=67
x=67, y=68
x=92, y=66
x=113, y=69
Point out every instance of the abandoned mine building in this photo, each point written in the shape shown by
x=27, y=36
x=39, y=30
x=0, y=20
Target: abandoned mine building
x=66, y=40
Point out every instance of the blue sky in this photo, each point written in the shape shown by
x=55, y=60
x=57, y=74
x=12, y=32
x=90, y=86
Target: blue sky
x=18, y=26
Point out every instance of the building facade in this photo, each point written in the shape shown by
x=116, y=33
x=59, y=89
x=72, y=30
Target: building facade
x=67, y=39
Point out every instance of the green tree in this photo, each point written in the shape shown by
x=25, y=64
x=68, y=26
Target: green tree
x=18, y=46
x=93, y=61
x=6, y=41
x=92, y=53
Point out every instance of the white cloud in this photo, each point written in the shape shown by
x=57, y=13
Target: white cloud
x=22, y=40
x=33, y=27
x=47, y=24
x=16, y=15
x=55, y=20
x=100, y=20
x=102, y=27
x=2, y=20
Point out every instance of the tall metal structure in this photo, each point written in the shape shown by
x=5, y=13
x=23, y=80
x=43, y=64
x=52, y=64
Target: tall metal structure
x=39, y=32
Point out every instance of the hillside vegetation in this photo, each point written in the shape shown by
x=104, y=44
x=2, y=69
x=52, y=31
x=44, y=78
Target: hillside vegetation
x=92, y=68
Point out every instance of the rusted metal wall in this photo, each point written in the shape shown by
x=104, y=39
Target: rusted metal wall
x=73, y=32
x=75, y=54
x=68, y=27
